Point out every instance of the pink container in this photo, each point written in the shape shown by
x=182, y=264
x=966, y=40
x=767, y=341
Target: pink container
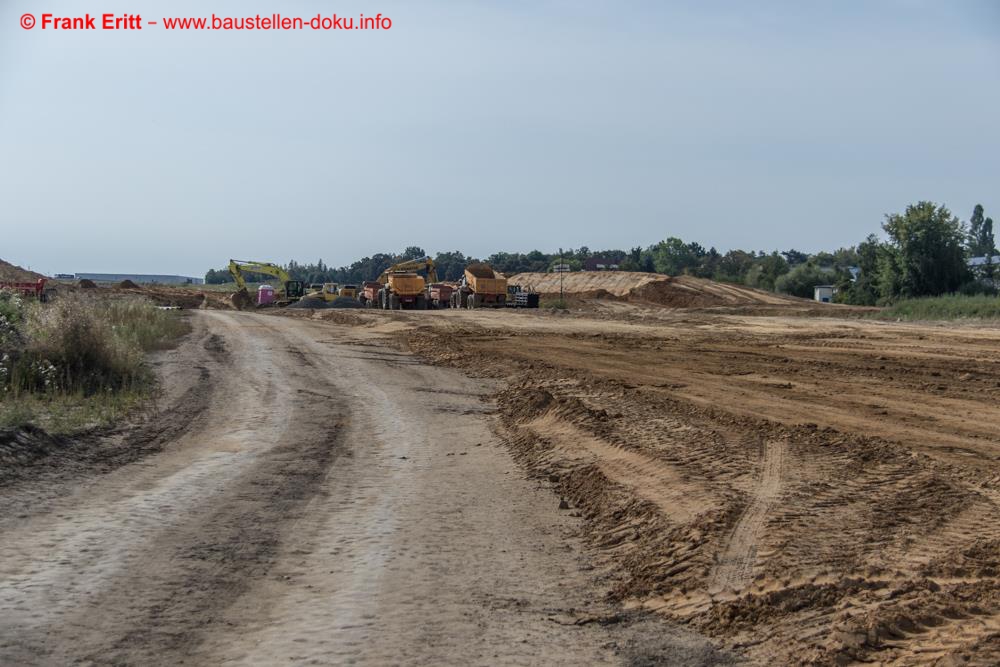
x=265, y=295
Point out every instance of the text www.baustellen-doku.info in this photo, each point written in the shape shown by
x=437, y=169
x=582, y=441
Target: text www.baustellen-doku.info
x=56, y=22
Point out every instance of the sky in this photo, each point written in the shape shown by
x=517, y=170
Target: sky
x=490, y=125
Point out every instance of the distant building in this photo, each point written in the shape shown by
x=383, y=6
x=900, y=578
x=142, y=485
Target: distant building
x=824, y=293
x=561, y=268
x=600, y=264
x=980, y=267
x=65, y=276
x=139, y=278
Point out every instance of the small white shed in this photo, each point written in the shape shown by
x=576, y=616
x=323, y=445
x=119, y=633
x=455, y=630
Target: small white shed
x=823, y=293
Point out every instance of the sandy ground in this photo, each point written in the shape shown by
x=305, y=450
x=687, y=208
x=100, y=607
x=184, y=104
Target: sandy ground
x=803, y=489
x=307, y=494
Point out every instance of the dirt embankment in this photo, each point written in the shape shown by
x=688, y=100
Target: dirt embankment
x=15, y=274
x=808, y=491
x=653, y=289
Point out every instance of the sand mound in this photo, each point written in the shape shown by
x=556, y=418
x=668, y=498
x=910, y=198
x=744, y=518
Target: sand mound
x=87, y=284
x=127, y=284
x=15, y=274
x=651, y=288
x=481, y=270
x=617, y=283
x=689, y=292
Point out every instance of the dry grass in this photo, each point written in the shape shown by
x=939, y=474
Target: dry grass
x=78, y=362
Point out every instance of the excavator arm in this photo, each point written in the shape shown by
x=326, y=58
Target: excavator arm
x=426, y=264
x=237, y=267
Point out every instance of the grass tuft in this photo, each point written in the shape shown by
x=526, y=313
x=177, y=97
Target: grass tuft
x=80, y=361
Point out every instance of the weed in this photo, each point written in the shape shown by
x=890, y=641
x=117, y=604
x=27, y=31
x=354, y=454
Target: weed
x=78, y=362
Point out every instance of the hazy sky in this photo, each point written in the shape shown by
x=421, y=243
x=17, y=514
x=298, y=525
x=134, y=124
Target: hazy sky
x=485, y=126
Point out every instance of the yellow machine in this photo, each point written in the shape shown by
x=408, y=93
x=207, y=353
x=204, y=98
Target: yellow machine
x=480, y=286
x=329, y=291
x=403, y=287
x=294, y=289
x=349, y=291
x=414, y=265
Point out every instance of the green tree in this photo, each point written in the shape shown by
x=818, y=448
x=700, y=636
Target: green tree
x=451, y=265
x=734, y=266
x=413, y=252
x=766, y=270
x=795, y=257
x=928, y=257
x=801, y=280
x=864, y=289
x=981, y=242
x=674, y=257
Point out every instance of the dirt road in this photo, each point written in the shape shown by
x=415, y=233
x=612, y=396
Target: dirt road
x=305, y=494
x=806, y=489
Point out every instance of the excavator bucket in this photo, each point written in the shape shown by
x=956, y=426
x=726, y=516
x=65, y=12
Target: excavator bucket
x=241, y=299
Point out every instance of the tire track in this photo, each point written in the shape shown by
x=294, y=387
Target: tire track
x=734, y=572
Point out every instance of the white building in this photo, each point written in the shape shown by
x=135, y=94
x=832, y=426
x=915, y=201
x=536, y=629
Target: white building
x=824, y=293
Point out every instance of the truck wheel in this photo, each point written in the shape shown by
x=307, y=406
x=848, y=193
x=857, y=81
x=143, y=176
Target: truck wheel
x=394, y=303
x=472, y=301
x=500, y=301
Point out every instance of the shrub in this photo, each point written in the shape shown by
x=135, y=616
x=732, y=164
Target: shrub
x=951, y=307
x=84, y=344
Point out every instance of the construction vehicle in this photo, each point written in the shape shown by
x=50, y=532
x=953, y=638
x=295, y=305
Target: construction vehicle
x=294, y=289
x=348, y=291
x=480, y=286
x=425, y=264
x=403, y=287
x=519, y=297
x=368, y=294
x=35, y=290
x=329, y=291
x=439, y=294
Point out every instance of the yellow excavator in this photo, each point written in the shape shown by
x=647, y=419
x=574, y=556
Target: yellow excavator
x=294, y=289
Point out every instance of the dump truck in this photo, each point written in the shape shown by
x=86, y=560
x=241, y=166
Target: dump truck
x=401, y=290
x=480, y=287
x=401, y=286
x=348, y=291
x=439, y=295
x=368, y=293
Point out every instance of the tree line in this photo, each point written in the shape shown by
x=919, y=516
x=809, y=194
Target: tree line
x=925, y=252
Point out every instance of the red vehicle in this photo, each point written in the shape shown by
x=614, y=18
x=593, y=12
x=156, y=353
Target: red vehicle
x=368, y=293
x=34, y=290
x=439, y=294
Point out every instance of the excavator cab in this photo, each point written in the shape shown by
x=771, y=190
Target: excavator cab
x=294, y=289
